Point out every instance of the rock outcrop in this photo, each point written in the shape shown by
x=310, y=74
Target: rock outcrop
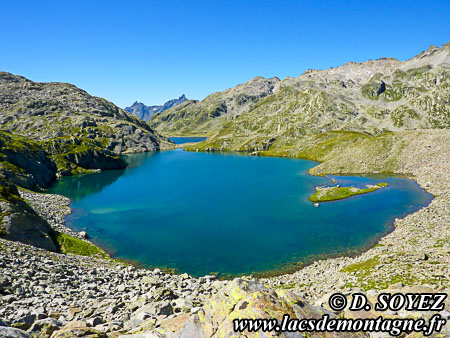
x=24, y=162
x=19, y=222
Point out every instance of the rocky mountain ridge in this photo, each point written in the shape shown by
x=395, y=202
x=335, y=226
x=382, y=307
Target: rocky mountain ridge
x=146, y=112
x=46, y=111
x=370, y=97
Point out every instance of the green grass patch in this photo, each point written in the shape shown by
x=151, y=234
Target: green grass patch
x=68, y=244
x=338, y=193
x=365, y=280
x=362, y=267
x=17, y=143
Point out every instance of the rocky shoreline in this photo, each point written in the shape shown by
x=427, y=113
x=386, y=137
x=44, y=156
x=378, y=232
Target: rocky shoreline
x=63, y=294
x=53, y=208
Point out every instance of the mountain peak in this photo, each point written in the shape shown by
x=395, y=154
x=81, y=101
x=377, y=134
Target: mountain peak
x=145, y=112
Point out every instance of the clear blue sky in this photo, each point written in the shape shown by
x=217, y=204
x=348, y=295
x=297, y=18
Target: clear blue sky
x=152, y=51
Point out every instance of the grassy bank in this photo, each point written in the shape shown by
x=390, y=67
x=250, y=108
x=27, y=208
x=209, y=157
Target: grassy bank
x=68, y=244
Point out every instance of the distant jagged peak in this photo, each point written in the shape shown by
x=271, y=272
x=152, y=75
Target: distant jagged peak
x=144, y=112
x=136, y=104
x=257, y=80
x=430, y=51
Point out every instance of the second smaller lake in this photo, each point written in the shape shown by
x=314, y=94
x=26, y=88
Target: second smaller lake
x=182, y=140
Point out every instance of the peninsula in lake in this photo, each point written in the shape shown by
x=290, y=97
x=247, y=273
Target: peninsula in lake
x=381, y=116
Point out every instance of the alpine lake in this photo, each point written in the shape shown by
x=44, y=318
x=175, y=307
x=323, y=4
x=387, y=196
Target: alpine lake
x=229, y=214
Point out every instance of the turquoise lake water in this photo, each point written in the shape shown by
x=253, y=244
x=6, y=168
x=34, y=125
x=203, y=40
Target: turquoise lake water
x=181, y=140
x=227, y=213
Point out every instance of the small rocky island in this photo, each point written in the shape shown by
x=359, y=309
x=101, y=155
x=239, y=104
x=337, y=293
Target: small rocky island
x=327, y=194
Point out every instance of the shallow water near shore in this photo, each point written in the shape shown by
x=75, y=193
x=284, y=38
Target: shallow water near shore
x=229, y=214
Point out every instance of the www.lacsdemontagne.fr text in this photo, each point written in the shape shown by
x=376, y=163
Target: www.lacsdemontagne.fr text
x=392, y=326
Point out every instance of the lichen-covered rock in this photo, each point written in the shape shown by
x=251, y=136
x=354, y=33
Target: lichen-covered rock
x=44, y=327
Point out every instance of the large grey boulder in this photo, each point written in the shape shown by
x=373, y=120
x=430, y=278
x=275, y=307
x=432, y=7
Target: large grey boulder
x=10, y=332
x=44, y=327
